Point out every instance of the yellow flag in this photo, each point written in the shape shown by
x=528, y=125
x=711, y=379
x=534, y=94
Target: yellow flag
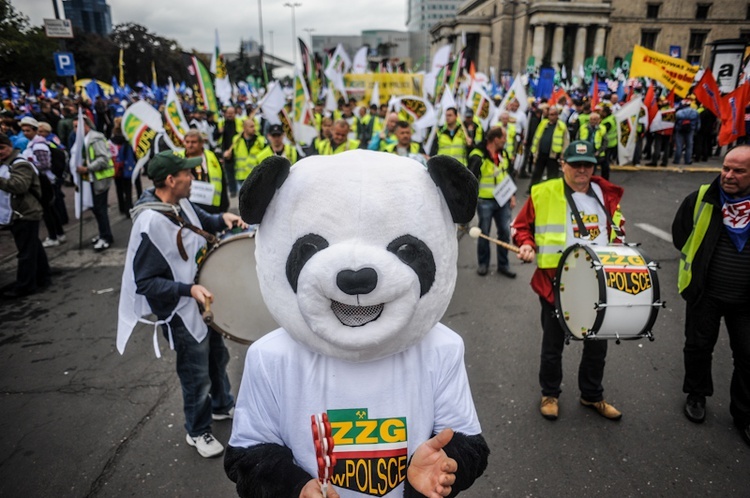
x=675, y=74
x=122, y=70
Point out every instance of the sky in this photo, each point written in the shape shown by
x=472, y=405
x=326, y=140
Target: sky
x=193, y=22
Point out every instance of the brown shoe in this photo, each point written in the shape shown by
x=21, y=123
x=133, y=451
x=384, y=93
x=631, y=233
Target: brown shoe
x=549, y=407
x=605, y=409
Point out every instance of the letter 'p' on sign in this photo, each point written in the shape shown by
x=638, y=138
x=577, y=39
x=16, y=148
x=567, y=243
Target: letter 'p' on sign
x=64, y=64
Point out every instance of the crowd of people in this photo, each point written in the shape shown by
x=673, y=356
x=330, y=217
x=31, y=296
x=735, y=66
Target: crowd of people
x=564, y=143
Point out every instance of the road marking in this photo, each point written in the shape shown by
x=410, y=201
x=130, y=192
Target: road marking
x=666, y=236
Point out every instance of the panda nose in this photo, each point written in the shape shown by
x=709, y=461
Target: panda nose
x=361, y=281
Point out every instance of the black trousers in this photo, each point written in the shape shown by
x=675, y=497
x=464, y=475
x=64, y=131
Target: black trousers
x=590, y=370
x=543, y=162
x=702, y=323
x=661, y=149
x=33, y=267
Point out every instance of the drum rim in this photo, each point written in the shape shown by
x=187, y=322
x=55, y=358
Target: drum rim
x=600, y=312
x=196, y=280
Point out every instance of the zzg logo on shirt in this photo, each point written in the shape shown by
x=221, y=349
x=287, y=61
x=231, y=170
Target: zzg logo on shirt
x=590, y=221
x=371, y=454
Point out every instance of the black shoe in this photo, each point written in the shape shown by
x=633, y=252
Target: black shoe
x=523, y=174
x=482, y=270
x=695, y=408
x=650, y=164
x=506, y=272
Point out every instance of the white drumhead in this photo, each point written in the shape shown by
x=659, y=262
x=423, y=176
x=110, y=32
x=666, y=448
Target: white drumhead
x=229, y=273
x=579, y=292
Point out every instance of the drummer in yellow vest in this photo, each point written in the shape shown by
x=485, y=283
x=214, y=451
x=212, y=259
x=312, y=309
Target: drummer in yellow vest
x=338, y=142
x=451, y=139
x=245, y=150
x=575, y=209
x=209, y=188
x=276, y=145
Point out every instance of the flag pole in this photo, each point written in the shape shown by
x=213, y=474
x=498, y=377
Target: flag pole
x=80, y=212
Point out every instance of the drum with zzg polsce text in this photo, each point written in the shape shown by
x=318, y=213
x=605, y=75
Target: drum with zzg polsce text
x=607, y=292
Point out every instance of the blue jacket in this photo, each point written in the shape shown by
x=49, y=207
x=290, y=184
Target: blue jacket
x=688, y=113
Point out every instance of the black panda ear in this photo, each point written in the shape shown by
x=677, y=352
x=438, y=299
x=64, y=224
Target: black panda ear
x=259, y=188
x=458, y=185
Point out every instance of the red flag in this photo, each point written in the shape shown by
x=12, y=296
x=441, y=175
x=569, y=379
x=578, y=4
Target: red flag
x=630, y=93
x=595, y=96
x=707, y=93
x=670, y=98
x=650, y=101
x=472, y=71
x=733, y=115
x=558, y=94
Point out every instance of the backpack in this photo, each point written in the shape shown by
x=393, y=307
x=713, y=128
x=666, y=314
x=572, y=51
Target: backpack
x=48, y=191
x=684, y=126
x=58, y=161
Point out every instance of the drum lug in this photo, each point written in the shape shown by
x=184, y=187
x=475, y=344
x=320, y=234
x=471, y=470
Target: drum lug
x=659, y=304
x=654, y=265
x=650, y=336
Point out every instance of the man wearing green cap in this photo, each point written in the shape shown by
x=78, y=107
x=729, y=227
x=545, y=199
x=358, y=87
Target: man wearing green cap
x=168, y=242
x=551, y=220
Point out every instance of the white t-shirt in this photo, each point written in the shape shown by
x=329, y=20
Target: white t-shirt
x=380, y=411
x=594, y=218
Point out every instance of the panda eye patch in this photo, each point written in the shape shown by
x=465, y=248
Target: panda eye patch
x=303, y=249
x=415, y=254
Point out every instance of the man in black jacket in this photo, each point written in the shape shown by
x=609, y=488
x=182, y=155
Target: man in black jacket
x=711, y=230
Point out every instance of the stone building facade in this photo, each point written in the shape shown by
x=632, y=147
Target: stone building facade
x=504, y=33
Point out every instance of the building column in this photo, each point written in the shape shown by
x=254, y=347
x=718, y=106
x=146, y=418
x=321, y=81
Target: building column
x=557, y=46
x=579, y=49
x=538, y=45
x=601, y=32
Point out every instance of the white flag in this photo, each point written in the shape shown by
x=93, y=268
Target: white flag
x=627, y=124
x=76, y=159
x=481, y=104
x=516, y=91
x=337, y=66
x=441, y=58
x=359, y=65
x=272, y=103
x=375, y=96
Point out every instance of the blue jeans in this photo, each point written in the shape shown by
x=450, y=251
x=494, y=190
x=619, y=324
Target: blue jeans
x=487, y=210
x=102, y=218
x=683, y=140
x=202, y=369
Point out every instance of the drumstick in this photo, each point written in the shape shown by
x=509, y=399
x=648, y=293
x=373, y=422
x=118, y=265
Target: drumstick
x=208, y=315
x=476, y=232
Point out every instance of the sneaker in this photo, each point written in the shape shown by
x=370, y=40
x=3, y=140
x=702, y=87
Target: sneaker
x=603, y=408
x=50, y=242
x=206, y=445
x=223, y=416
x=101, y=245
x=95, y=240
x=549, y=407
x=695, y=408
x=62, y=238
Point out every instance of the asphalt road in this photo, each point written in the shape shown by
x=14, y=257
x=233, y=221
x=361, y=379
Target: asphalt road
x=81, y=420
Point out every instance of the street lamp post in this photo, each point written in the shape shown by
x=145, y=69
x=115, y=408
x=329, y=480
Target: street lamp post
x=310, y=31
x=293, y=5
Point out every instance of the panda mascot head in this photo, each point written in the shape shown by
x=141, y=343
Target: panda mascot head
x=356, y=252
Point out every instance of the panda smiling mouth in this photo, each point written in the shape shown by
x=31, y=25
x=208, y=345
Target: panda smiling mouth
x=356, y=316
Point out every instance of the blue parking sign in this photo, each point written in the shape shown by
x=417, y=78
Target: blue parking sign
x=64, y=64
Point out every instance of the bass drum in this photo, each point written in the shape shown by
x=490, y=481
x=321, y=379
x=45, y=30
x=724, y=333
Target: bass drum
x=606, y=292
x=228, y=272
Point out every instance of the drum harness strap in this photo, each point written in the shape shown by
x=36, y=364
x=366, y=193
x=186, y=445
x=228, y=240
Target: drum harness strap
x=183, y=223
x=582, y=230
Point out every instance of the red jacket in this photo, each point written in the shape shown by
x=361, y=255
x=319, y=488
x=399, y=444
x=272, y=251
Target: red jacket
x=523, y=233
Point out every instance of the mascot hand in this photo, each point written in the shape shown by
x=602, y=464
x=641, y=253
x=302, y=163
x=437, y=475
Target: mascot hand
x=312, y=490
x=431, y=471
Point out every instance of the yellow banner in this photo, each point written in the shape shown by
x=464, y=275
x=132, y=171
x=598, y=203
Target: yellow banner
x=359, y=86
x=675, y=74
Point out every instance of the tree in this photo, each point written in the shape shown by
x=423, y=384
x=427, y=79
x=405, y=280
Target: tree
x=25, y=51
x=96, y=56
x=142, y=48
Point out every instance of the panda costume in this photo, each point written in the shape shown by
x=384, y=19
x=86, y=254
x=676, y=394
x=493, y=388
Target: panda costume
x=356, y=258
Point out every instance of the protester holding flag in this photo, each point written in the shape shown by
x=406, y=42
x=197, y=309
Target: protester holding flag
x=98, y=169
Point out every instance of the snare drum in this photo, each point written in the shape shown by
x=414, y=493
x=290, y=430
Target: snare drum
x=606, y=292
x=228, y=272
